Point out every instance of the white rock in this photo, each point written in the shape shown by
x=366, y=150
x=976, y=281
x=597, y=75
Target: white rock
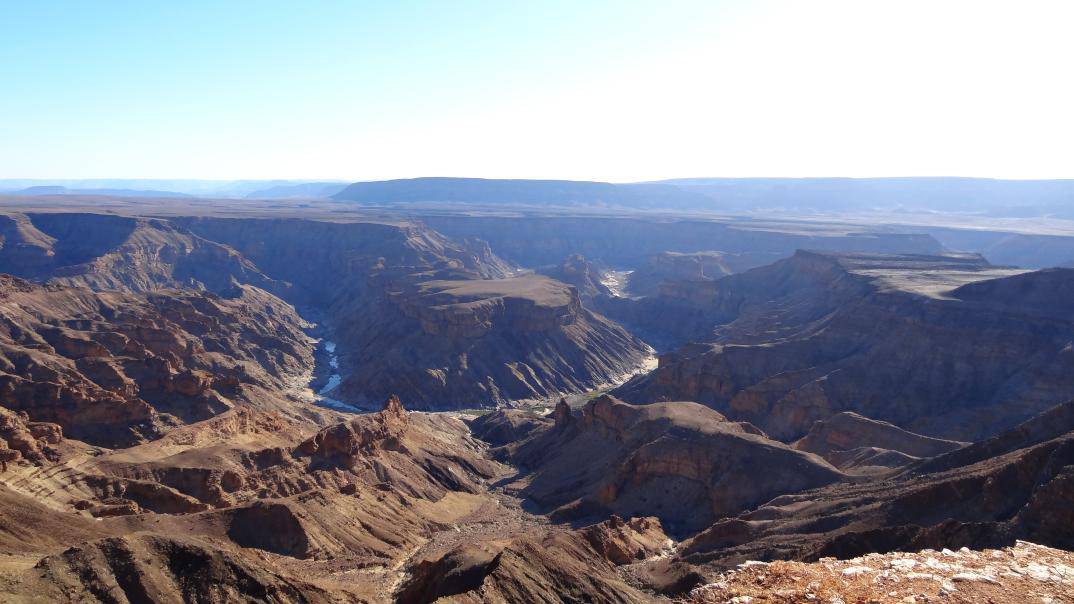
x=903, y=563
x=1039, y=571
x=854, y=571
x=974, y=578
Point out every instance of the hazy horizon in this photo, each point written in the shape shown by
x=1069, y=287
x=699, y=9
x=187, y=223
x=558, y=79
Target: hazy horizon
x=601, y=91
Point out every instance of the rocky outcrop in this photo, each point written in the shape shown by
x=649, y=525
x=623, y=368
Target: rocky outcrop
x=581, y=274
x=115, y=368
x=505, y=426
x=574, y=565
x=848, y=440
x=1004, y=575
x=344, y=442
x=681, y=462
x=955, y=500
x=665, y=270
x=157, y=568
x=21, y=439
x=420, y=455
x=903, y=340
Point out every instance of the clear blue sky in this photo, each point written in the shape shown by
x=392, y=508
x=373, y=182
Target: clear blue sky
x=618, y=91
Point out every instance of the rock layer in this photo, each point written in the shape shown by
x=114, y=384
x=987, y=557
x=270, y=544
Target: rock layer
x=913, y=341
x=115, y=368
x=681, y=462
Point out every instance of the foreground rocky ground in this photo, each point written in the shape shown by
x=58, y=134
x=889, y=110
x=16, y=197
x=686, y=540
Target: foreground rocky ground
x=1025, y=572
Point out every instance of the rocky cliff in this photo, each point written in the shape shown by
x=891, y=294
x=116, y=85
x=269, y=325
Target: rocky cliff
x=673, y=267
x=628, y=242
x=108, y=252
x=575, y=270
x=115, y=368
x=953, y=501
x=441, y=322
x=466, y=343
x=681, y=462
x=930, y=344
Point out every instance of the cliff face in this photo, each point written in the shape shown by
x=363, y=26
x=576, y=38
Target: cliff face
x=114, y=368
x=926, y=343
x=440, y=322
x=333, y=260
x=107, y=252
x=465, y=343
x=669, y=268
x=629, y=242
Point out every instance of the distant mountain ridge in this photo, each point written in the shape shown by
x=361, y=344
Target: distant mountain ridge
x=524, y=192
x=59, y=190
x=312, y=190
x=956, y=194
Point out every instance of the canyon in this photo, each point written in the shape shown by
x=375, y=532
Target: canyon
x=325, y=401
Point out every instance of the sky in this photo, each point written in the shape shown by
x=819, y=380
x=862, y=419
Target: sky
x=593, y=90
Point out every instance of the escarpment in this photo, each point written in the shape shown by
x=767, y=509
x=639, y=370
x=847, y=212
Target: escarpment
x=486, y=336
x=901, y=339
x=107, y=252
x=536, y=240
x=460, y=343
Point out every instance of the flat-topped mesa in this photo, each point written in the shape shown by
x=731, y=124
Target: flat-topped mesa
x=930, y=275
x=473, y=308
